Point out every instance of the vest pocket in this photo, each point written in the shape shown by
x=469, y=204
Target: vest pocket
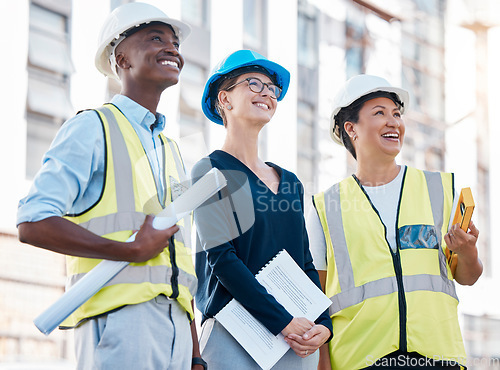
x=418, y=237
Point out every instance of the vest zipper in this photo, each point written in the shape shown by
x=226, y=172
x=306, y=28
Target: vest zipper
x=396, y=258
x=174, y=280
x=396, y=262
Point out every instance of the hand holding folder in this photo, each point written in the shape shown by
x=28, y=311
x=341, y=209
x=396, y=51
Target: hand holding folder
x=463, y=215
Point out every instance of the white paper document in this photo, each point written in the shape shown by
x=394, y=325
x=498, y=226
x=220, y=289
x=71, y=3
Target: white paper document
x=293, y=289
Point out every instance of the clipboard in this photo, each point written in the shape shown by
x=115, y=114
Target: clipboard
x=463, y=215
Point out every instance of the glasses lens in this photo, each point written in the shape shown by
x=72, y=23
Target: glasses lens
x=255, y=85
x=275, y=91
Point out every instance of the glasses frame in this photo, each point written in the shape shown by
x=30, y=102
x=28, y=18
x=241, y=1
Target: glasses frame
x=272, y=95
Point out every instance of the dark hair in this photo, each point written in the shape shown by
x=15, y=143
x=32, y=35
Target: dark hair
x=351, y=114
x=223, y=85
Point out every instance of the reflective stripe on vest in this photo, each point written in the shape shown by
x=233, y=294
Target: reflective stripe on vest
x=436, y=196
x=121, y=160
x=126, y=198
x=350, y=294
x=126, y=218
x=121, y=221
x=151, y=274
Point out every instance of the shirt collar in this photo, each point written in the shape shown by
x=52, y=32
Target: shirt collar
x=138, y=115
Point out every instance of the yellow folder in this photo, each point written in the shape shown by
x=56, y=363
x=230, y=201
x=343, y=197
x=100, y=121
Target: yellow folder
x=463, y=215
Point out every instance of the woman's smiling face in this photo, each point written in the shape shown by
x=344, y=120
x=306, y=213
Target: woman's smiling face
x=380, y=129
x=248, y=105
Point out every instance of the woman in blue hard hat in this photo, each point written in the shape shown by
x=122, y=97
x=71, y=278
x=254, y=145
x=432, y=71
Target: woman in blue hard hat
x=238, y=238
x=378, y=239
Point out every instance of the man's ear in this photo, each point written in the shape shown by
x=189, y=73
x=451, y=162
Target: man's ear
x=122, y=61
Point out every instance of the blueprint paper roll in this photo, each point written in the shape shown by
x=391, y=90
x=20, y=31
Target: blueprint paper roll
x=100, y=275
x=79, y=293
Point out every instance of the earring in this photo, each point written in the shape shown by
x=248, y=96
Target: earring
x=229, y=107
x=354, y=137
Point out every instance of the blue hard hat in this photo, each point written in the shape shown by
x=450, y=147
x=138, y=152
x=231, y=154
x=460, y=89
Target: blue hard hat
x=240, y=62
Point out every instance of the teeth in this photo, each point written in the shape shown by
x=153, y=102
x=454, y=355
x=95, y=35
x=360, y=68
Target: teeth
x=170, y=63
x=262, y=105
x=391, y=135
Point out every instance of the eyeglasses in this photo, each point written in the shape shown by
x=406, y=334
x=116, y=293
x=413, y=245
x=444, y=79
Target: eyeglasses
x=257, y=86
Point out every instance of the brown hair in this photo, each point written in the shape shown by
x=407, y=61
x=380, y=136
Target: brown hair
x=226, y=82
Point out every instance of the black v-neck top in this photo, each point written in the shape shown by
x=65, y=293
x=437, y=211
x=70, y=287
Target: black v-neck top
x=240, y=235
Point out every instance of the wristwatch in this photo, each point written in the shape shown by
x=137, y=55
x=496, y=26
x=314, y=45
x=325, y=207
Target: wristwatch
x=199, y=361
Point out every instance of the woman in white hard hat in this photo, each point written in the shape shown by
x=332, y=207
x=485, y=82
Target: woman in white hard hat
x=260, y=215
x=378, y=239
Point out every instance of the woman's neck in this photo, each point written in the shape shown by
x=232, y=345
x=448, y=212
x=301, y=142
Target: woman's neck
x=377, y=175
x=242, y=143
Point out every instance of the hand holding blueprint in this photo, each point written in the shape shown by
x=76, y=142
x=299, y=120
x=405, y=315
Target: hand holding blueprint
x=93, y=281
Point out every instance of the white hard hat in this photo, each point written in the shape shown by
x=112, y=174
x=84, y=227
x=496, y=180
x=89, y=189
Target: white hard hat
x=357, y=87
x=123, y=19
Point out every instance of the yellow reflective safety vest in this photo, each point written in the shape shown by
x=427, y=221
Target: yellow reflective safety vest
x=382, y=300
x=128, y=195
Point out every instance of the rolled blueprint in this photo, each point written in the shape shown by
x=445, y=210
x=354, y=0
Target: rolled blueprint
x=99, y=276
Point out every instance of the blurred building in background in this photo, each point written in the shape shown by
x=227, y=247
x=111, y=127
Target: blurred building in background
x=440, y=51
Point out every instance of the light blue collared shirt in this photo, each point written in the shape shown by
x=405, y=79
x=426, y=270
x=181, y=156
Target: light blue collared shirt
x=72, y=173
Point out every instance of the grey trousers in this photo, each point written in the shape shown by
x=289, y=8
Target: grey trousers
x=222, y=352
x=150, y=335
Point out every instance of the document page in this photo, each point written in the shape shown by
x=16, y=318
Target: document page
x=293, y=289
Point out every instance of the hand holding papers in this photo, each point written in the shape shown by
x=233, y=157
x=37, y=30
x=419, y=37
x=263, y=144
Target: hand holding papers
x=463, y=215
x=293, y=289
x=93, y=281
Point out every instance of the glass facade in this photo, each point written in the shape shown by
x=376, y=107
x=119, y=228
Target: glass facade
x=336, y=39
x=49, y=68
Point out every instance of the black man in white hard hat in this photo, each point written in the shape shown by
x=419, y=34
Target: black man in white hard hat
x=107, y=172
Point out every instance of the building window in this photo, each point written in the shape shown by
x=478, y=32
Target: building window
x=307, y=54
x=195, y=12
x=356, y=41
x=308, y=80
x=192, y=121
x=49, y=48
x=49, y=67
x=306, y=152
x=40, y=133
x=255, y=24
